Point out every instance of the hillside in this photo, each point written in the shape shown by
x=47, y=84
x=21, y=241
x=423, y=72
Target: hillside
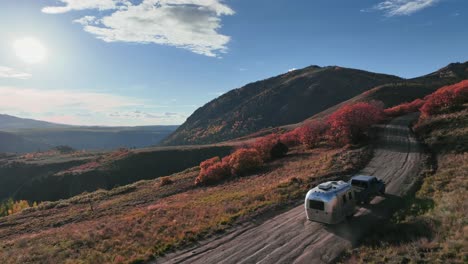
x=389, y=94
x=284, y=99
x=99, y=137
x=49, y=176
x=11, y=143
x=33, y=135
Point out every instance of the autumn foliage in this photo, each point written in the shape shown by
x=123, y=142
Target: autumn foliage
x=404, y=108
x=352, y=122
x=10, y=206
x=243, y=161
x=310, y=135
x=270, y=147
x=213, y=173
x=445, y=99
x=291, y=138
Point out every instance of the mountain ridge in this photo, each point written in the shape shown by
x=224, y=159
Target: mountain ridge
x=274, y=101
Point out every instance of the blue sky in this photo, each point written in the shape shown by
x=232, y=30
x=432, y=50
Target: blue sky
x=149, y=62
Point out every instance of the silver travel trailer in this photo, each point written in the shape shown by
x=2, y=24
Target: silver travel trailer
x=330, y=202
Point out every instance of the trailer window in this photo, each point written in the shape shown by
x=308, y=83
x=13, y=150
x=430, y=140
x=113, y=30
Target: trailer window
x=317, y=205
x=344, y=198
x=350, y=194
x=360, y=184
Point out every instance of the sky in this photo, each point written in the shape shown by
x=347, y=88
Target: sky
x=154, y=62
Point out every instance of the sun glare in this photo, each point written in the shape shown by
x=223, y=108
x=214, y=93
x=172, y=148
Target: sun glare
x=29, y=50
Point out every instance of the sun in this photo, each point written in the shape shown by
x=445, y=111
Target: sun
x=29, y=50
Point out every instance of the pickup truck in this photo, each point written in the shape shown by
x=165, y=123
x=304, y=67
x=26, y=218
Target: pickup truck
x=366, y=187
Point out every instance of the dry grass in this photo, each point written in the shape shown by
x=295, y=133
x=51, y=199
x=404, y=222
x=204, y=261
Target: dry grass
x=145, y=219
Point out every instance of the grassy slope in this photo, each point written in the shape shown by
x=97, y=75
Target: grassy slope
x=432, y=227
x=145, y=219
x=45, y=177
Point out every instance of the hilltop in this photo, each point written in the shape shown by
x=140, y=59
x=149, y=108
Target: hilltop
x=295, y=96
x=280, y=100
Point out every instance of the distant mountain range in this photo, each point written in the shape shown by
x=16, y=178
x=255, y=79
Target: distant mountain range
x=19, y=135
x=294, y=96
x=12, y=123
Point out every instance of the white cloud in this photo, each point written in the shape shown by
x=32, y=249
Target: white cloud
x=7, y=72
x=403, y=7
x=187, y=24
x=292, y=69
x=42, y=100
x=83, y=108
x=86, y=20
x=71, y=5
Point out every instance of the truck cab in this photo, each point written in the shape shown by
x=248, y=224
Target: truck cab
x=366, y=187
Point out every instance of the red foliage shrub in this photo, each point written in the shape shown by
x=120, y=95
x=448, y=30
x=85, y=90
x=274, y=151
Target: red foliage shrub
x=291, y=138
x=310, y=135
x=207, y=163
x=215, y=172
x=445, y=99
x=264, y=145
x=404, y=108
x=270, y=147
x=243, y=161
x=351, y=122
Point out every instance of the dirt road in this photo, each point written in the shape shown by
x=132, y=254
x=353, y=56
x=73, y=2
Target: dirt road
x=291, y=238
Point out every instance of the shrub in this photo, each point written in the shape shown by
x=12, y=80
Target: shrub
x=351, y=122
x=404, y=108
x=10, y=206
x=207, y=163
x=64, y=149
x=279, y=150
x=445, y=99
x=291, y=138
x=165, y=181
x=265, y=146
x=310, y=135
x=214, y=173
x=243, y=161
